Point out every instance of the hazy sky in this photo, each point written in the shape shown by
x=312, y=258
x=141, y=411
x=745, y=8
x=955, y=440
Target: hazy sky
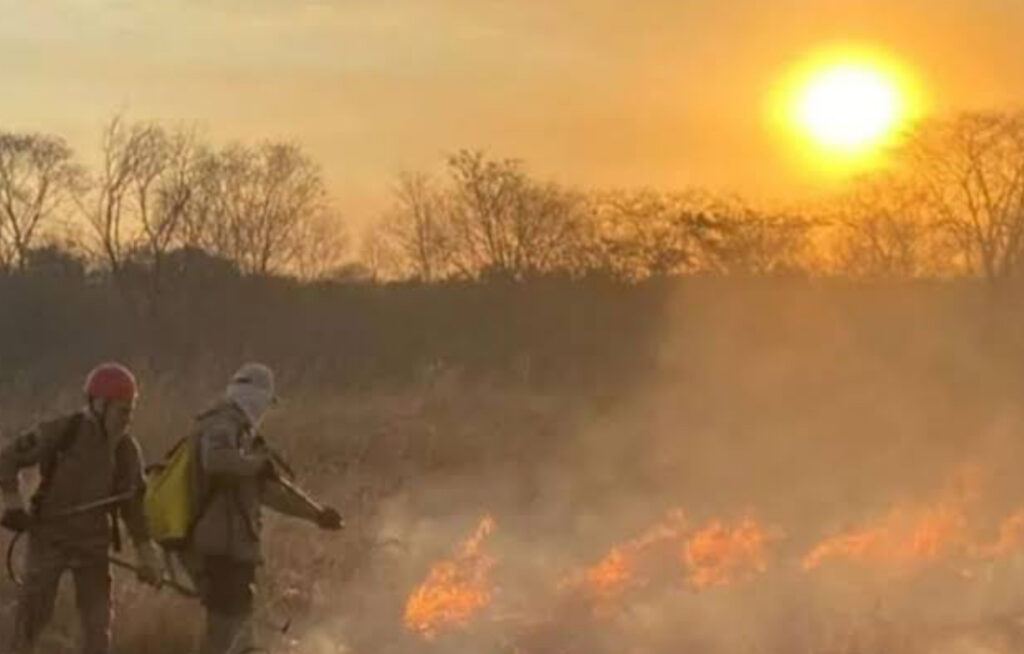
x=590, y=92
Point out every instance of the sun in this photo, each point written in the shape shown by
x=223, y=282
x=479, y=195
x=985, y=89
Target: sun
x=843, y=107
x=850, y=107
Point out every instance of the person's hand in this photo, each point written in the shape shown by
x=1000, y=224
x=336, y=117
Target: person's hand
x=16, y=519
x=148, y=569
x=329, y=519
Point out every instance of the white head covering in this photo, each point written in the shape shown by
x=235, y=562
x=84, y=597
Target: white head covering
x=252, y=390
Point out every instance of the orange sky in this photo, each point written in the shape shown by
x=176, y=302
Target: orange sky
x=668, y=93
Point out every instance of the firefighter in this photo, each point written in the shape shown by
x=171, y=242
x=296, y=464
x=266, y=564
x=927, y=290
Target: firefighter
x=90, y=471
x=238, y=475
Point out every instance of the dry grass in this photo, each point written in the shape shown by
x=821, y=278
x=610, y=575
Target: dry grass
x=813, y=415
x=357, y=452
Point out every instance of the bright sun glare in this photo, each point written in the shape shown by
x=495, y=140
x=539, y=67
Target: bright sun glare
x=845, y=105
x=850, y=108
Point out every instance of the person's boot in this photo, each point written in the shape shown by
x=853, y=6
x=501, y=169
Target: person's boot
x=227, y=634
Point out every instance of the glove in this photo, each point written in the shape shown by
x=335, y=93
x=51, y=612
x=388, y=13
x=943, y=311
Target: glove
x=16, y=519
x=329, y=519
x=148, y=565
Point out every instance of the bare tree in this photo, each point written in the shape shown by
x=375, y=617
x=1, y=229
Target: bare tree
x=256, y=205
x=501, y=222
x=642, y=234
x=487, y=218
x=482, y=196
x=141, y=197
x=125, y=158
x=321, y=246
x=38, y=178
x=379, y=254
x=417, y=229
x=738, y=238
x=970, y=170
x=163, y=187
x=560, y=236
x=884, y=229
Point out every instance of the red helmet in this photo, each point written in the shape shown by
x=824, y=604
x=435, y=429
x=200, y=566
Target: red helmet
x=111, y=381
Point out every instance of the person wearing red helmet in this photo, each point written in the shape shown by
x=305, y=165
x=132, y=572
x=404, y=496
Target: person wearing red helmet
x=91, y=472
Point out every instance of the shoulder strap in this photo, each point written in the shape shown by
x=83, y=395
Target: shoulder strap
x=206, y=489
x=67, y=438
x=48, y=466
x=209, y=489
x=114, y=514
x=157, y=466
x=126, y=450
x=71, y=431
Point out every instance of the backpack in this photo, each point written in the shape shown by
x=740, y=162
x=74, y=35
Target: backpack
x=174, y=503
x=171, y=505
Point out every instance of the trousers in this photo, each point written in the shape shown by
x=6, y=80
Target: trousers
x=227, y=590
x=45, y=566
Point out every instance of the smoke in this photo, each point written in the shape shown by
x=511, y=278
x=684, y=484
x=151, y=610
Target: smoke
x=806, y=469
x=803, y=471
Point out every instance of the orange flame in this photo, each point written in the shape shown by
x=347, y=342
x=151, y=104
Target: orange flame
x=455, y=590
x=899, y=541
x=718, y=555
x=906, y=538
x=606, y=581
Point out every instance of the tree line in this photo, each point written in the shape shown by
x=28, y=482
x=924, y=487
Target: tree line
x=160, y=190
x=162, y=198
x=950, y=204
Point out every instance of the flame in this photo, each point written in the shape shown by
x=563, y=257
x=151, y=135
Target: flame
x=611, y=577
x=716, y=555
x=900, y=540
x=719, y=555
x=455, y=590
x=907, y=538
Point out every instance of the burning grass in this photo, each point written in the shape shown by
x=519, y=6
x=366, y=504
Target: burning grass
x=720, y=555
x=408, y=470
x=455, y=589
